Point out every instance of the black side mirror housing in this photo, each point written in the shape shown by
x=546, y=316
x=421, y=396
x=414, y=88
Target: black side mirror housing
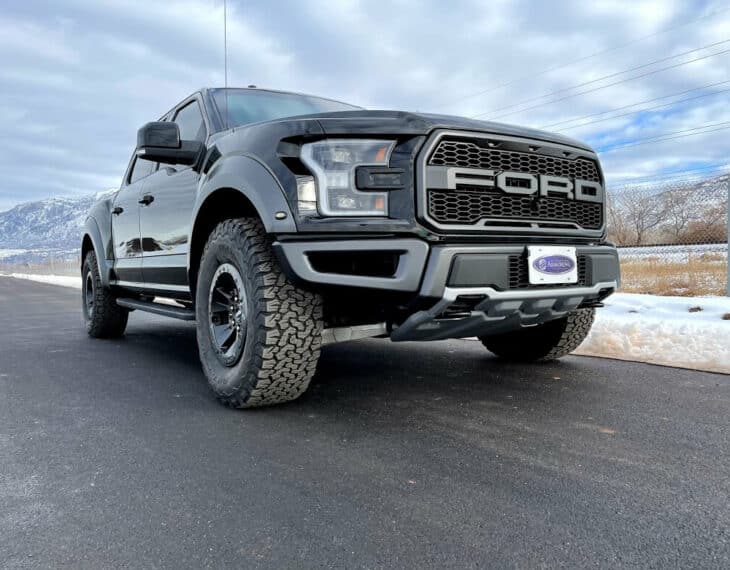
x=159, y=141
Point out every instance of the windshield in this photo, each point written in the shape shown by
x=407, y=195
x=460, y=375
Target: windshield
x=247, y=106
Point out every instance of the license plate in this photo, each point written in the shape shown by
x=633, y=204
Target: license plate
x=551, y=264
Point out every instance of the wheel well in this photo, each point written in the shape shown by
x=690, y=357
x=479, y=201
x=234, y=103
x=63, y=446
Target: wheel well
x=86, y=246
x=223, y=204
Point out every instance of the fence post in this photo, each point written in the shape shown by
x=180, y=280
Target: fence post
x=727, y=180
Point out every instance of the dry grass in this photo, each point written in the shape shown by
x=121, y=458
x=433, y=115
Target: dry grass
x=711, y=257
x=701, y=275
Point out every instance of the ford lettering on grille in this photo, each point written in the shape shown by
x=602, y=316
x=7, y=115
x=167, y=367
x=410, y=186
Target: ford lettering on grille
x=478, y=182
x=525, y=184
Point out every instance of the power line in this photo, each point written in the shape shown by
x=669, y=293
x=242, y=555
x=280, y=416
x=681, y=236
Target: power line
x=670, y=136
x=606, y=86
x=689, y=171
x=633, y=105
x=674, y=175
x=580, y=59
x=585, y=83
x=667, y=184
x=644, y=110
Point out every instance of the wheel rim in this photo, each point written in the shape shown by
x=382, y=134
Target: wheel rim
x=227, y=314
x=89, y=294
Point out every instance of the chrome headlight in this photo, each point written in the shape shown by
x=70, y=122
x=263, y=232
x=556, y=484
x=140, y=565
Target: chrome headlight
x=333, y=192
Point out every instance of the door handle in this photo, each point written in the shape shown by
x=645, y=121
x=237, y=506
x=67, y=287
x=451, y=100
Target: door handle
x=147, y=200
x=118, y=210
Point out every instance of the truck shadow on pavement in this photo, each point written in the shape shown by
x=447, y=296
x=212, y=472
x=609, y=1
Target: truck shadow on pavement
x=369, y=374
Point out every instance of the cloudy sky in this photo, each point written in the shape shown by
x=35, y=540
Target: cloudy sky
x=78, y=77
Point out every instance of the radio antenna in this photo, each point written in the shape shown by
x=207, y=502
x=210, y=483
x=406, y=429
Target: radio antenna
x=225, y=60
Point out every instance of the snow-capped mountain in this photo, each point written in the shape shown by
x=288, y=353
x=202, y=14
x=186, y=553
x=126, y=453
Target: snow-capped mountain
x=51, y=223
x=54, y=224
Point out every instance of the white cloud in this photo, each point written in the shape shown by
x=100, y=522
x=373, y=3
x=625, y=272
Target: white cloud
x=30, y=39
x=77, y=81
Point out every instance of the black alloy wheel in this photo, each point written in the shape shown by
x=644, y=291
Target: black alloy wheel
x=89, y=295
x=228, y=314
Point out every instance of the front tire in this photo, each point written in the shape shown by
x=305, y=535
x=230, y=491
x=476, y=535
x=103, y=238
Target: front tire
x=259, y=336
x=545, y=342
x=103, y=317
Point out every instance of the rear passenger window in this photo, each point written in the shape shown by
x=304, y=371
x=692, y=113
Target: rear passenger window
x=190, y=121
x=140, y=169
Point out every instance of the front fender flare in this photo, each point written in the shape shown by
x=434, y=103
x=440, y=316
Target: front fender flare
x=249, y=176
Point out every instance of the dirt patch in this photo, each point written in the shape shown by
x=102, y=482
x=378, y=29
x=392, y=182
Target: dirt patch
x=701, y=275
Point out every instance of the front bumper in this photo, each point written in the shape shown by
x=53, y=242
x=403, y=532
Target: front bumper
x=470, y=290
x=496, y=312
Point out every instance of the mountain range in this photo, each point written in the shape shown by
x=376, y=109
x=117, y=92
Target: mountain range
x=36, y=230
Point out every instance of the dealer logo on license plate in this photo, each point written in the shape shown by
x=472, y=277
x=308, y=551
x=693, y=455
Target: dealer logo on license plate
x=552, y=264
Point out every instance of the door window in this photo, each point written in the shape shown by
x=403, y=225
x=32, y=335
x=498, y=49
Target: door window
x=140, y=169
x=190, y=121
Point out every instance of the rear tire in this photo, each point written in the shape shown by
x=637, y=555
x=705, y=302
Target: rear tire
x=104, y=318
x=259, y=336
x=545, y=342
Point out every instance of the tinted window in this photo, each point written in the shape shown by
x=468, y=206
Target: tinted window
x=190, y=121
x=244, y=106
x=140, y=169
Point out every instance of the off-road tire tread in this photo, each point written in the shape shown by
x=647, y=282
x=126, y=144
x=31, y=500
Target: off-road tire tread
x=546, y=342
x=108, y=320
x=288, y=323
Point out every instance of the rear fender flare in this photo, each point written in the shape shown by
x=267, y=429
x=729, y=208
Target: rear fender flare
x=91, y=230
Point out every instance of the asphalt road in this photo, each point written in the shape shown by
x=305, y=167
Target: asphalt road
x=114, y=454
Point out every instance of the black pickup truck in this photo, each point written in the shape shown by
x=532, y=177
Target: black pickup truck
x=280, y=222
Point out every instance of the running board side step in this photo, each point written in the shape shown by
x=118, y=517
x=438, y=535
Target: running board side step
x=158, y=309
x=344, y=334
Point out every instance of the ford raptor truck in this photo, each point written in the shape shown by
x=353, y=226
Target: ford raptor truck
x=281, y=222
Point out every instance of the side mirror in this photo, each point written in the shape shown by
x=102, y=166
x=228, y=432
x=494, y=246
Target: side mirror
x=159, y=141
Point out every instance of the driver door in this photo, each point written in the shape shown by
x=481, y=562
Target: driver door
x=168, y=198
x=125, y=223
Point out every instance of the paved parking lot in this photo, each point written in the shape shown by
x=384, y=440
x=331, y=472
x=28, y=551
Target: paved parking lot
x=114, y=453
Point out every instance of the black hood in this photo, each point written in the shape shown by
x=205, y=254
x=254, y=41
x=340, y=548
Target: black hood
x=401, y=122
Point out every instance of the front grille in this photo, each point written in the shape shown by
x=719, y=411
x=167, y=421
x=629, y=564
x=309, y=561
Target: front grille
x=519, y=273
x=468, y=154
x=470, y=206
x=468, y=203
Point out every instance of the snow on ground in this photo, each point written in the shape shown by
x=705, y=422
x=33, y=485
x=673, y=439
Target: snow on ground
x=67, y=281
x=4, y=253
x=680, y=253
x=63, y=280
x=642, y=328
x=662, y=330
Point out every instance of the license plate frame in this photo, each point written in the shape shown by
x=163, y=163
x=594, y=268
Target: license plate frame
x=552, y=265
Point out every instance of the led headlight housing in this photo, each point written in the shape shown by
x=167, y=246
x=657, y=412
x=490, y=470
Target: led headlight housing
x=333, y=163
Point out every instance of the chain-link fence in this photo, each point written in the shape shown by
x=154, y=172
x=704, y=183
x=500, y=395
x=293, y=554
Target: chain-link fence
x=68, y=264
x=672, y=236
